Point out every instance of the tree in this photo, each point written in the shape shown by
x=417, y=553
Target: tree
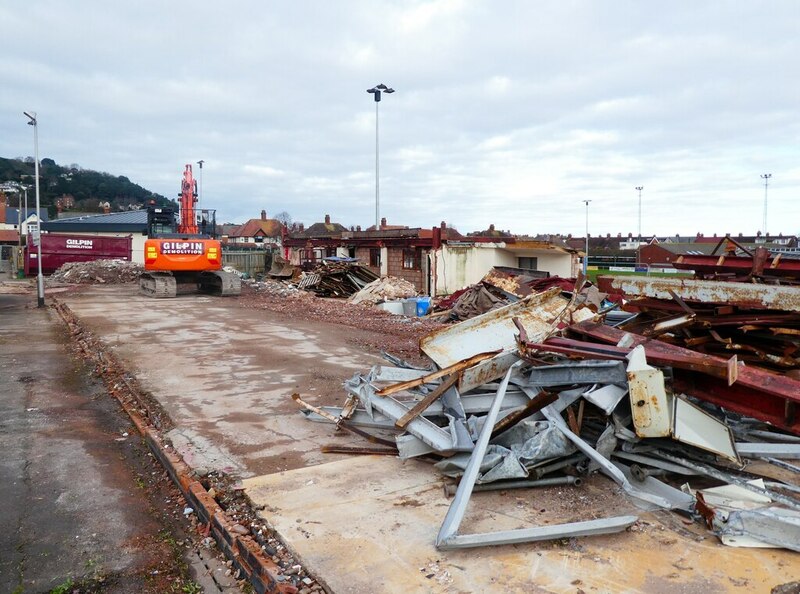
x=284, y=217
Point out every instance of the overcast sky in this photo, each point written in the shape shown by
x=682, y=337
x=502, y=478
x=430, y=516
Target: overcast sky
x=510, y=113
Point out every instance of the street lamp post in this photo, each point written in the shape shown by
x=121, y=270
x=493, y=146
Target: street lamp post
x=586, y=255
x=376, y=92
x=639, y=189
x=765, y=177
x=200, y=193
x=32, y=121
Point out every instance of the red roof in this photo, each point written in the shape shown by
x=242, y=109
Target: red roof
x=9, y=235
x=259, y=228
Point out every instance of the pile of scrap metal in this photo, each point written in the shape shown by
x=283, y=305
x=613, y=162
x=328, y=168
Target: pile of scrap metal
x=731, y=261
x=499, y=287
x=339, y=277
x=564, y=409
x=758, y=323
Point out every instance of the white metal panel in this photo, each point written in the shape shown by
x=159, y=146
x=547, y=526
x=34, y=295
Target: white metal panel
x=696, y=427
x=495, y=329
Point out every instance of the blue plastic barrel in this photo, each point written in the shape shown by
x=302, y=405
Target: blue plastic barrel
x=423, y=305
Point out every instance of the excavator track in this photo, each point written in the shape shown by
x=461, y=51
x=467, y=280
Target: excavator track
x=160, y=285
x=218, y=282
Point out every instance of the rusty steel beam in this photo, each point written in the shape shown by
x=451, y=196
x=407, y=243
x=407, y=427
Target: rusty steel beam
x=774, y=266
x=748, y=295
x=757, y=393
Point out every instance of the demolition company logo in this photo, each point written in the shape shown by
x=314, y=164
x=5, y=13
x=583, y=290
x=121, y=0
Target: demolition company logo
x=80, y=244
x=182, y=247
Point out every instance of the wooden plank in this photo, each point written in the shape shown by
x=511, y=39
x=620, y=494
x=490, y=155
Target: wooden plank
x=423, y=404
x=455, y=368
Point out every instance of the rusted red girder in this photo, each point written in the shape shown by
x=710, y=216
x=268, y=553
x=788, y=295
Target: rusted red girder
x=757, y=393
x=742, y=265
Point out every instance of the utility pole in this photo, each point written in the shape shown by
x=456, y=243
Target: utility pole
x=38, y=237
x=640, y=188
x=200, y=193
x=586, y=255
x=765, y=177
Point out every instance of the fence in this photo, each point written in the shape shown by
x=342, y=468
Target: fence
x=252, y=262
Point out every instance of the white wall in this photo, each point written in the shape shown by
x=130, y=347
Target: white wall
x=458, y=266
x=556, y=263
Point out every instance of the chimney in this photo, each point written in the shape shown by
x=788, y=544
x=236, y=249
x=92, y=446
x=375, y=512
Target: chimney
x=608, y=235
x=383, y=222
x=263, y=215
x=443, y=225
x=491, y=227
x=327, y=219
x=302, y=227
x=358, y=227
x=619, y=235
x=630, y=235
x=106, y=208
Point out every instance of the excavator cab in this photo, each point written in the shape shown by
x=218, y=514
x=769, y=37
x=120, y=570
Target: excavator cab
x=162, y=222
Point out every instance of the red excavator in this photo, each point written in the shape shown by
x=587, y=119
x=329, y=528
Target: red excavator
x=182, y=251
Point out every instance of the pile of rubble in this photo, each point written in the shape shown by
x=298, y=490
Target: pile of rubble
x=275, y=288
x=541, y=392
x=500, y=286
x=97, y=272
x=336, y=278
x=388, y=288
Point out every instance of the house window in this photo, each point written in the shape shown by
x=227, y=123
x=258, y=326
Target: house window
x=375, y=257
x=412, y=259
x=259, y=239
x=527, y=263
x=330, y=252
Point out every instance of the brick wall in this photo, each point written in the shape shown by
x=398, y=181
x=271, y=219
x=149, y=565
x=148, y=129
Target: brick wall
x=396, y=269
x=363, y=257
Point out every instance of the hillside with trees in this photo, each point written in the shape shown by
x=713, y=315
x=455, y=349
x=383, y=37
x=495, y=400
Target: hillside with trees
x=72, y=188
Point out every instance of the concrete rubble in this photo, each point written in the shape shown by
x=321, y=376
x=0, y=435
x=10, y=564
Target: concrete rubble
x=539, y=391
x=97, y=272
x=388, y=288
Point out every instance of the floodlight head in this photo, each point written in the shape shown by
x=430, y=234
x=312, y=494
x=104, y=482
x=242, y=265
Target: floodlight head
x=372, y=90
x=382, y=87
x=388, y=90
x=32, y=118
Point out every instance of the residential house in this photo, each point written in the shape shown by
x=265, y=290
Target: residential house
x=20, y=220
x=261, y=233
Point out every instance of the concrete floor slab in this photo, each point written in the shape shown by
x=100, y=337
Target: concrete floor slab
x=367, y=524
